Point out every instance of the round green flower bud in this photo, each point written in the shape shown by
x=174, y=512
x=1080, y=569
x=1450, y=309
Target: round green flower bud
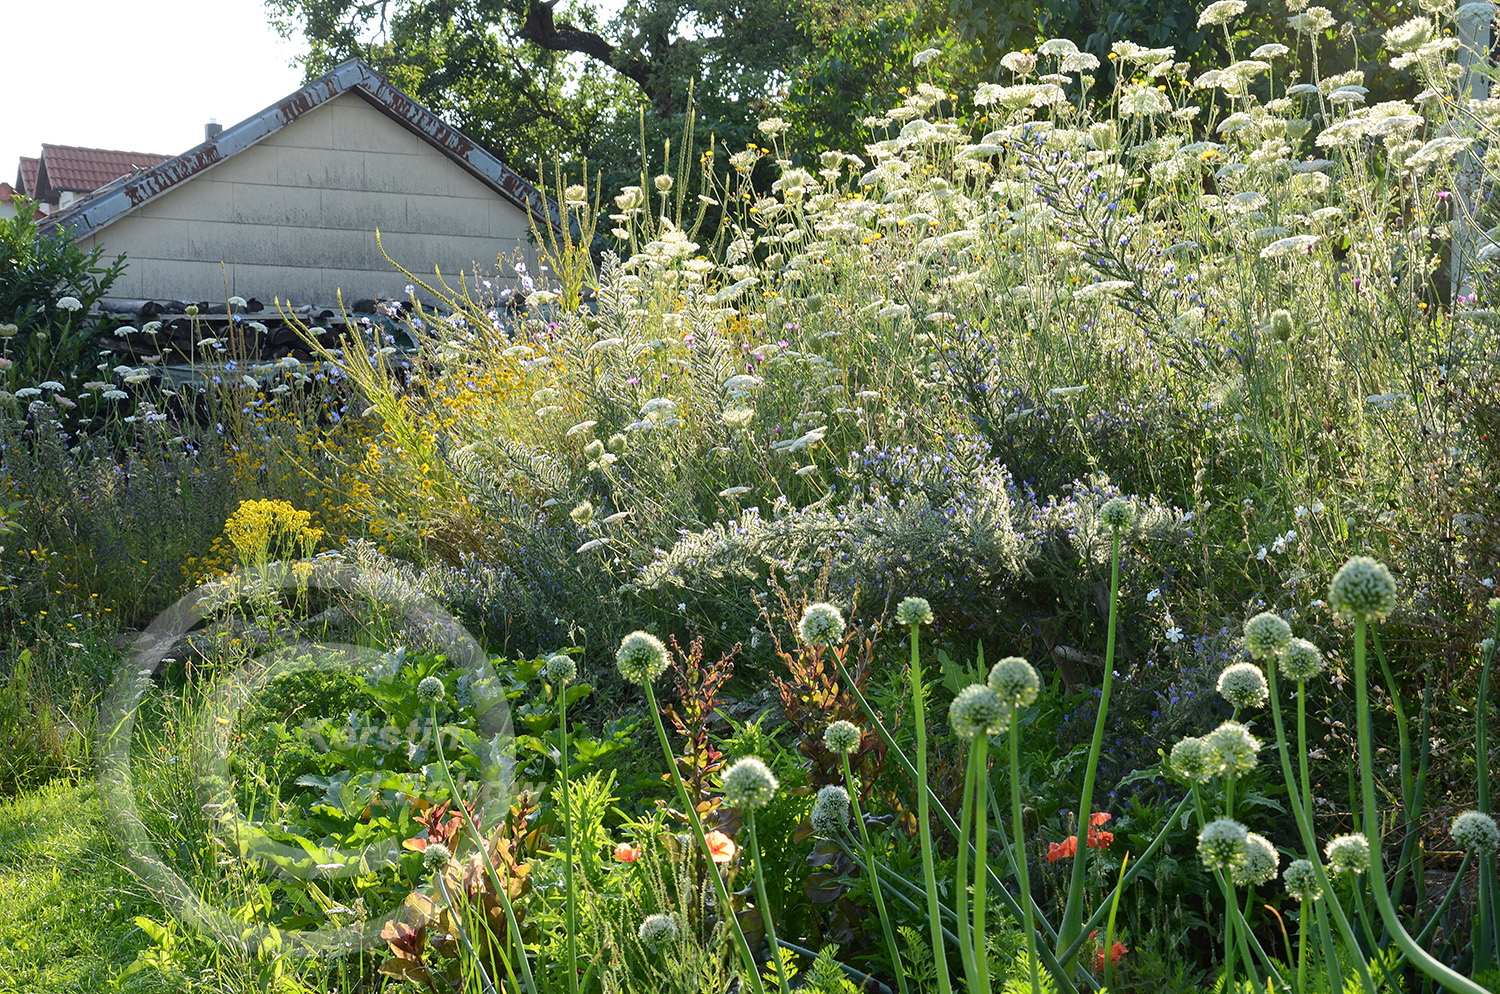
x=642, y=658
x=658, y=929
x=1266, y=634
x=1234, y=749
x=1192, y=760
x=1115, y=513
x=560, y=670
x=749, y=784
x=1300, y=660
x=1221, y=843
x=1258, y=862
x=1476, y=832
x=1244, y=685
x=821, y=625
x=582, y=514
x=978, y=710
x=1348, y=854
x=1016, y=681
x=436, y=856
x=842, y=736
x=1363, y=588
x=1301, y=881
x=593, y=450
x=617, y=443
x=830, y=813
x=914, y=611
x=1281, y=324
x=430, y=690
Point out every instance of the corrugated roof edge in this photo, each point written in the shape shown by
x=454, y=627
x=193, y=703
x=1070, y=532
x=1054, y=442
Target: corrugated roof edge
x=122, y=196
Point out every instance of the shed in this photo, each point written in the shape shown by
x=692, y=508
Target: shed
x=286, y=204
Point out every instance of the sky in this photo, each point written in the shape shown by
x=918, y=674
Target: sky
x=141, y=76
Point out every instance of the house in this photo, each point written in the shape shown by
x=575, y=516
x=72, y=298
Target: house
x=287, y=203
x=7, y=201
x=65, y=174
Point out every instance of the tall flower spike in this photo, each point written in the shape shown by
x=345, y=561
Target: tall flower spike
x=1363, y=588
x=821, y=625
x=642, y=658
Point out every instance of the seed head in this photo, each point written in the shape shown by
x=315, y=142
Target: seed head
x=1115, y=513
x=842, y=736
x=914, y=611
x=430, y=690
x=749, y=784
x=978, y=710
x=1476, y=832
x=1302, y=881
x=617, y=443
x=1244, y=686
x=1266, y=634
x=1221, y=843
x=1192, y=760
x=830, y=813
x=1258, y=862
x=1300, y=660
x=658, y=929
x=642, y=658
x=1281, y=324
x=1015, y=681
x=435, y=857
x=1234, y=749
x=1363, y=588
x=1348, y=854
x=821, y=625
x=560, y=670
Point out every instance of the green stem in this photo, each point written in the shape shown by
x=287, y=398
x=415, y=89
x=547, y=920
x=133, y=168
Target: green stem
x=961, y=873
x=1022, y=867
x=891, y=949
x=1303, y=912
x=765, y=903
x=572, y=898
x=981, y=862
x=1419, y=957
x=939, y=954
x=722, y=893
x=463, y=933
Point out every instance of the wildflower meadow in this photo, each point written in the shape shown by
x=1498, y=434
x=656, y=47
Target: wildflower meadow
x=1049, y=547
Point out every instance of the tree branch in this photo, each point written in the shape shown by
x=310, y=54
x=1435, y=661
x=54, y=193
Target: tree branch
x=542, y=30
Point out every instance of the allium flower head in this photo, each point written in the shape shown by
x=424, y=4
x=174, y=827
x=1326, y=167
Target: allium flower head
x=1302, y=881
x=1258, y=862
x=1244, y=685
x=642, y=658
x=1348, y=854
x=1476, y=832
x=1266, y=634
x=914, y=611
x=749, y=784
x=1363, y=588
x=1015, y=680
x=1233, y=748
x=560, y=670
x=1193, y=760
x=842, y=736
x=436, y=856
x=430, y=690
x=978, y=710
x=1300, y=660
x=1115, y=513
x=821, y=625
x=1221, y=843
x=830, y=813
x=657, y=929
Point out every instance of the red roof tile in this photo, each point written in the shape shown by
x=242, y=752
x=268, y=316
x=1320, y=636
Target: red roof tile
x=7, y=193
x=84, y=170
x=26, y=175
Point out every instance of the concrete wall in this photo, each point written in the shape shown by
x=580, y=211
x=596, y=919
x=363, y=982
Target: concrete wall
x=295, y=216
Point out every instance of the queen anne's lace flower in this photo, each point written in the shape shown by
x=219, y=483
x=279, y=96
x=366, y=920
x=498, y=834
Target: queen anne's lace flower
x=1476, y=832
x=1300, y=660
x=842, y=736
x=830, y=813
x=1348, y=854
x=821, y=625
x=1266, y=634
x=1221, y=843
x=1015, y=681
x=1244, y=685
x=1363, y=588
x=642, y=658
x=1301, y=881
x=978, y=710
x=1220, y=12
x=749, y=784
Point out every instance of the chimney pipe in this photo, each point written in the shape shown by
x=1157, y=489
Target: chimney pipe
x=212, y=129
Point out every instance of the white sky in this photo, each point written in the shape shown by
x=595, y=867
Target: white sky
x=137, y=75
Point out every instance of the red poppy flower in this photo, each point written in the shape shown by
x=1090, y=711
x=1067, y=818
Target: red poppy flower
x=1099, y=817
x=1063, y=850
x=627, y=853
x=720, y=846
x=1115, y=952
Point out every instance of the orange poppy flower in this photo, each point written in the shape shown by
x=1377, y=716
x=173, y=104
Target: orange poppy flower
x=720, y=846
x=1099, y=817
x=627, y=853
x=1115, y=952
x=1063, y=850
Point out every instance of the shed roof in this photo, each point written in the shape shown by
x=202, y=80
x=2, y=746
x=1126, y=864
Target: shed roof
x=68, y=168
x=124, y=195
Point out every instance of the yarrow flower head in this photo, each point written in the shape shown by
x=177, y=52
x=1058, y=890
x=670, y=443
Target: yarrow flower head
x=560, y=670
x=842, y=736
x=1015, y=681
x=749, y=784
x=1363, y=588
x=1220, y=12
x=1244, y=685
x=1302, y=881
x=1258, y=862
x=1266, y=634
x=1234, y=749
x=436, y=856
x=1193, y=760
x=978, y=710
x=1115, y=513
x=641, y=658
x=1300, y=660
x=830, y=811
x=821, y=625
x=430, y=690
x=1348, y=854
x=1221, y=843
x=69, y=304
x=914, y=611
x=1476, y=832
x=658, y=929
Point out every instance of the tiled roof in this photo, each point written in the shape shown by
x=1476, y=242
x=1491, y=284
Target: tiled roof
x=7, y=193
x=26, y=175
x=84, y=170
